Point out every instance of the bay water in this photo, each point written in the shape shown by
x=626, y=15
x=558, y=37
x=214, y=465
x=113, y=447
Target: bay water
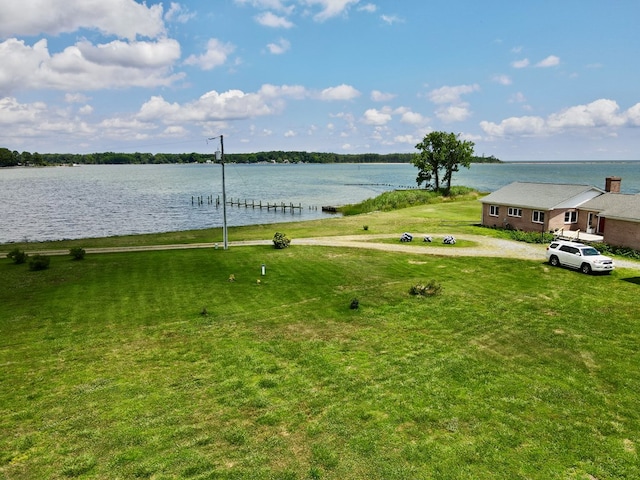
x=54, y=203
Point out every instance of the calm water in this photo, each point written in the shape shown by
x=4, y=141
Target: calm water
x=39, y=204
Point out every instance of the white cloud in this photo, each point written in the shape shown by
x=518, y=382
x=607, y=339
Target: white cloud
x=453, y=94
x=214, y=106
x=550, y=61
x=330, y=8
x=290, y=133
x=518, y=97
x=122, y=18
x=369, y=8
x=520, y=63
x=375, y=117
x=454, y=113
x=174, y=131
x=514, y=126
x=280, y=47
x=412, y=118
x=284, y=91
x=75, y=98
x=85, y=110
x=408, y=139
x=277, y=5
x=24, y=121
x=633, y=115
x=452, y=108
x=378, y=96
x=391, y=19
x=216, y=55
x=178, y=13
x=341, y=92
x=131, y=55
x=602, y=113
x=87, y=67
x=269, y=19
x=502, y=79
x=14, y=112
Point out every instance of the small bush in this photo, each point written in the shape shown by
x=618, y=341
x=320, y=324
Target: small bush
x=365, y=227
x=39, y=262
x=607, y=249
x=426, y=290
x=355, y=304
x=77, y=253
x=280, y=240
x=17, y=255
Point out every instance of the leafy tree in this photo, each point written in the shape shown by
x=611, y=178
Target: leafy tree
x=6, y=158
x=441, y=154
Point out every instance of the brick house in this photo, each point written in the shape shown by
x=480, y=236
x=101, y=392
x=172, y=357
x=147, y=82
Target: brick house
x=615, y=216
x=536, y=207
x=608, y=215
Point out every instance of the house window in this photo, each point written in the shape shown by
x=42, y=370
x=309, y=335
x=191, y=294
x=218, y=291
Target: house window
x=571, y=217
x=494, y=210
x=515, y=212
x=538, y=216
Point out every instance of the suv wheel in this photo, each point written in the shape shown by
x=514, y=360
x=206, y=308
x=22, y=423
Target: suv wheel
x=586, y=268
x=554, y=261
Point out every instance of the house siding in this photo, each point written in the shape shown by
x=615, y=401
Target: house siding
x=553, y=219
x=621, y=233
x=615, y=216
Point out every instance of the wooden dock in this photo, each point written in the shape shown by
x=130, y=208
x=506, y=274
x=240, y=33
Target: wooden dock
x=269, y=206
x=275, y=206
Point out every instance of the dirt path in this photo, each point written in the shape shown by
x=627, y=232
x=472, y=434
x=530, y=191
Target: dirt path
x=485, y=247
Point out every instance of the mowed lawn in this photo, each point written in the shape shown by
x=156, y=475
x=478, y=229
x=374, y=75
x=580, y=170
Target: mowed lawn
x=154, y=365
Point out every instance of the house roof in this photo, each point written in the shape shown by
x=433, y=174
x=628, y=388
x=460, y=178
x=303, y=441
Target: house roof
x=618, y=206
x=543, y=196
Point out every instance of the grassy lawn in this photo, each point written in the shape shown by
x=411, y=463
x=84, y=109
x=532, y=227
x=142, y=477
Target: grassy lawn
x=154, y=365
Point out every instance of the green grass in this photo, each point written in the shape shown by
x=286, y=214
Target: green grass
x=443, y=217
x=399, y=199
x=109, y=369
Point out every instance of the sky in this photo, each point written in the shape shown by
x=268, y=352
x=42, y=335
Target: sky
x=523, y=80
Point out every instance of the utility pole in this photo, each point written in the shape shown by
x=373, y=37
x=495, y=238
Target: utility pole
x=220, y=157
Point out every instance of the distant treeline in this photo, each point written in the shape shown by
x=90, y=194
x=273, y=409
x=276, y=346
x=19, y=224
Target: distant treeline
x=14, y=158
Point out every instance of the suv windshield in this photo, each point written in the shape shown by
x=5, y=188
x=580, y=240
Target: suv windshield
x=588, y=252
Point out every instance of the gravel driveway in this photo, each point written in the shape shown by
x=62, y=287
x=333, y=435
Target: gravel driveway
x=486, y=247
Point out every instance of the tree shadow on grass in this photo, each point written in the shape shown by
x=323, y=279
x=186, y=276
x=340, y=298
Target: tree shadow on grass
x=635, y=280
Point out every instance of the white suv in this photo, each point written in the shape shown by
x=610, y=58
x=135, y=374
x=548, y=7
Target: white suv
x=577, y=255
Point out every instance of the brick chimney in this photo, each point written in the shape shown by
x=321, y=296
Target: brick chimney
x=612, y=184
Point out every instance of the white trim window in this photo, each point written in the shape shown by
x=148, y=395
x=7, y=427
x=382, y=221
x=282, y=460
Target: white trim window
x=514, y=212
x=571, y=216
x=494, y=210
x=537, y=216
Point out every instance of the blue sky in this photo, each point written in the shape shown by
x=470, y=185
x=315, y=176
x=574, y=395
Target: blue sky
x=535, y=80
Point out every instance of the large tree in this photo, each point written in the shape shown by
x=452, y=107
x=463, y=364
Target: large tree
x=440, y=155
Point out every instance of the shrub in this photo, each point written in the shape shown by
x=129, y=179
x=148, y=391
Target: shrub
x=17, y=255
x=355, y=303
x=39, y=262
x=77, y=253
x=607, y=249
x=280, y=240
x=426, y=290
x=365, y=227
